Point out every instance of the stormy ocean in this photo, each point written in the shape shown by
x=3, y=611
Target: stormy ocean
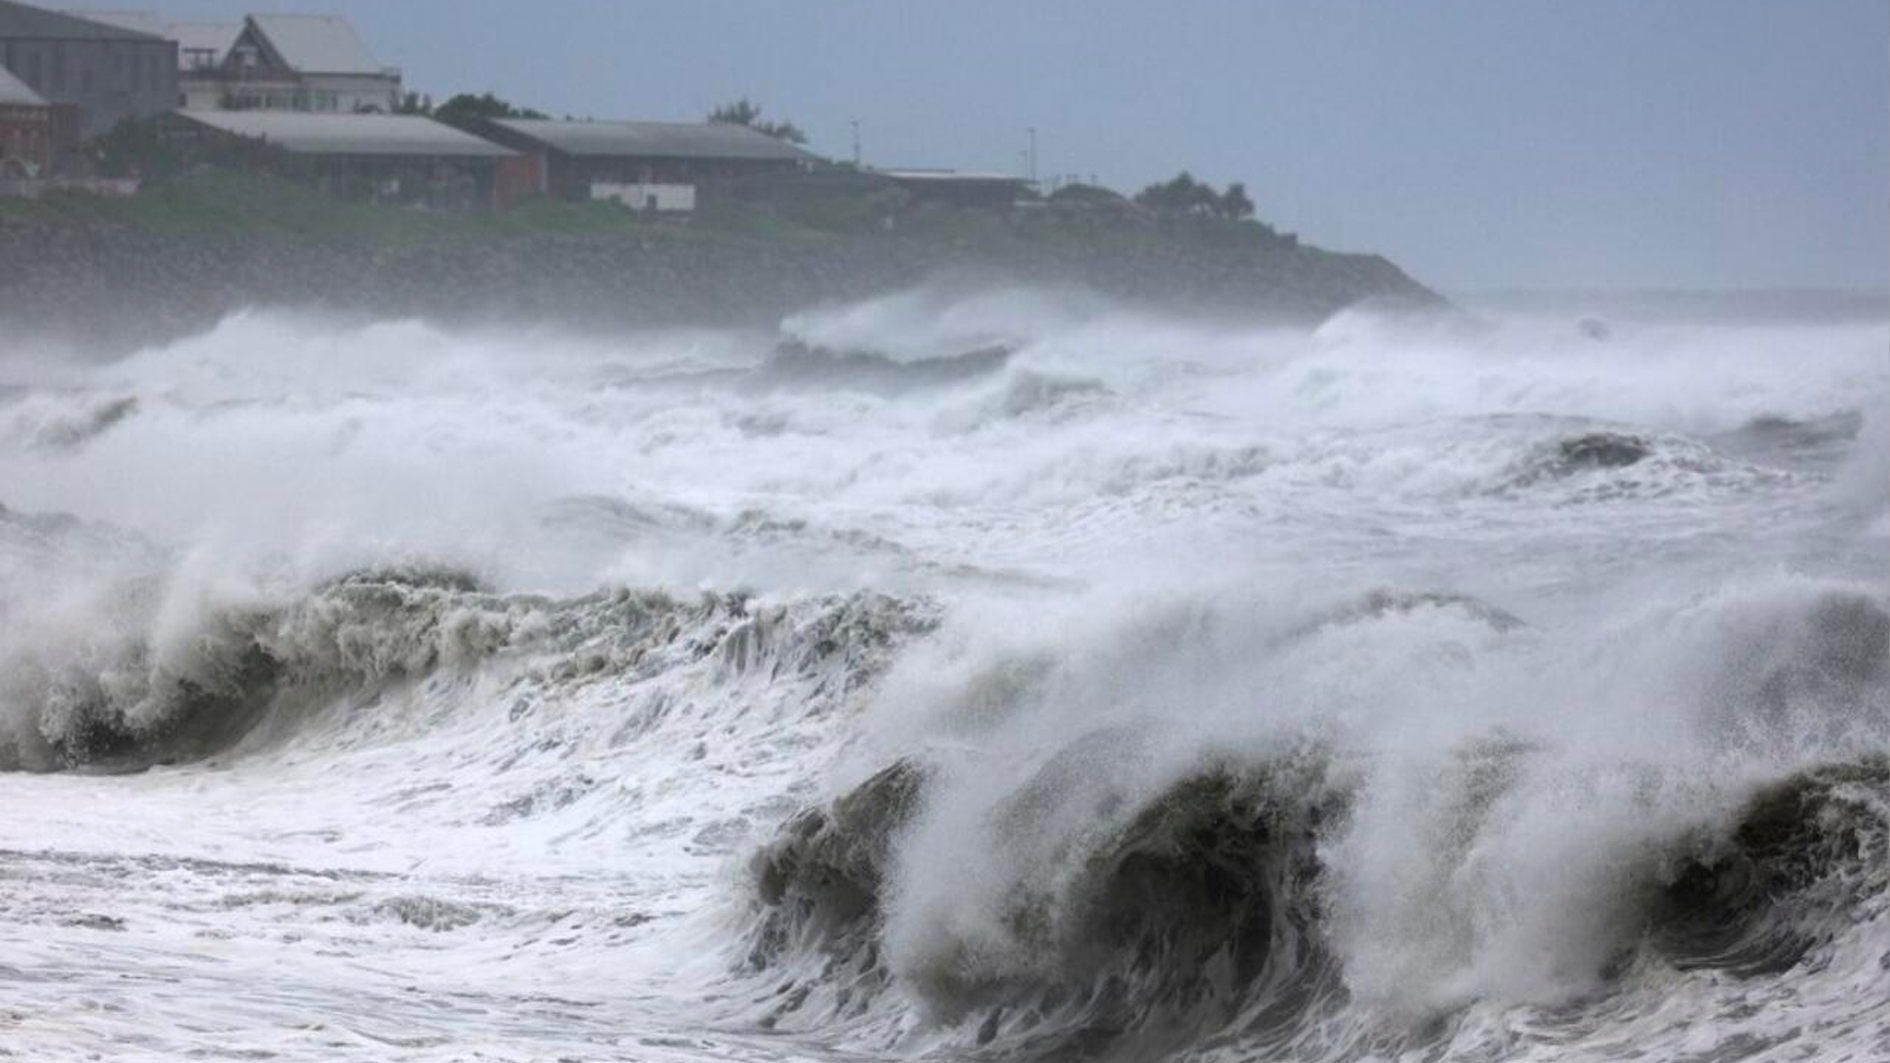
x=1007, y=676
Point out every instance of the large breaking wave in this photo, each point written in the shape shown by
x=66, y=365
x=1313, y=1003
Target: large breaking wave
x=999, y=678
x=1341, y=832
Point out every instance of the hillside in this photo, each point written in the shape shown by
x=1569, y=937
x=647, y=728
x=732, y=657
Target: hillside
x=180, y=256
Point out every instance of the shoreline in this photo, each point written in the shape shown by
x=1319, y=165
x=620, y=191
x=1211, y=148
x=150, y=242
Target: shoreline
x=111, y=272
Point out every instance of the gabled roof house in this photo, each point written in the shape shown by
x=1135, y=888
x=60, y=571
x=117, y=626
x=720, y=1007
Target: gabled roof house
x=305, y=63
x=270, y=63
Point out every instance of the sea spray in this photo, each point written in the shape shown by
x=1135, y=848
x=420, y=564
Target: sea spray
x=973, y=676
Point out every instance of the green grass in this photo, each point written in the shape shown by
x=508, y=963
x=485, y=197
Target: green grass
x=221, y=205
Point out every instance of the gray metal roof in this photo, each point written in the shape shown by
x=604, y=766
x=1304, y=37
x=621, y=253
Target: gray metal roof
x=16, y=93
x=140, y=21
x=21, y=20
x=655, y=140
x=349, y=134
x=317, y=44
x=952, y=175
x=214, y=37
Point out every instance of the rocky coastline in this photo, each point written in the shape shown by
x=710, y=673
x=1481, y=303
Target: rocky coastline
x=114, y=285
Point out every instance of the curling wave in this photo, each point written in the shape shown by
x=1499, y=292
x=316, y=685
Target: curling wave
x=1242, y=898
x=1015, y=679
x=1200, y=918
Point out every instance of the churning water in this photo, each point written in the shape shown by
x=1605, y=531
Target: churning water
x=981, y=678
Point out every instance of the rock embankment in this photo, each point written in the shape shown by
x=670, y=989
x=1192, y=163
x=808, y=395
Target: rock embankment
x=122, y=284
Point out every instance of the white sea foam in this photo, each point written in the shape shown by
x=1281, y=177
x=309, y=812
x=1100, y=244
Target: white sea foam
x=485, y=665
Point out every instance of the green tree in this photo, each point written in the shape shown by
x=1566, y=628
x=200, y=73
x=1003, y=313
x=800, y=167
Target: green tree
x=153, y=148
x=1179, y=195
x=746, y=113
x=1183, y=196
x=466, y=109
x=1235, y=206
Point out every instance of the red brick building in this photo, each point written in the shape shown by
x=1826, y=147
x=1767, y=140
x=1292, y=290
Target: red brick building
x=26, y=129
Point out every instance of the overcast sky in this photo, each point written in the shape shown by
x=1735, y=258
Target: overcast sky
x=1490, y=144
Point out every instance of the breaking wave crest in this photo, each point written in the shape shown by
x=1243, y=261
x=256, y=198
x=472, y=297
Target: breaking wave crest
x=149, y=668
x=1200, y=920
x=128, y=700
x=794, y=364
x=1127, y=893
x=1807, y=859
x=1599, y=465
x=1006, y=678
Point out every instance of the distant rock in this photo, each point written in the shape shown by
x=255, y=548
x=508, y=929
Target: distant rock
x=1602, y=450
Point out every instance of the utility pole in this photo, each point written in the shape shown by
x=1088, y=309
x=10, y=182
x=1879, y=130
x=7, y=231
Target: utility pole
x=856, y=143
x=1033, y=155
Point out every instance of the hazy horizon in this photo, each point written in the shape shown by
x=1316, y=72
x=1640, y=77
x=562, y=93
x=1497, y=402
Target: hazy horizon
x=1607, y=146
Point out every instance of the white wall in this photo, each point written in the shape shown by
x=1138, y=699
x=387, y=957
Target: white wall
x=322, y=93
x=200, y=94
x=351, y=92
x=641, y=195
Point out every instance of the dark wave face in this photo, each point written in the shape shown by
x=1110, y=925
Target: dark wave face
x=949, y=677
x=1805, y=861
x=794, y=364
x=1200, y=922
x=1198, y=910
x=1086, y=915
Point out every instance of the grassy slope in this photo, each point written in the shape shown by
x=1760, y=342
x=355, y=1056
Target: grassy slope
x=601, y=254
x=254, y=207
x=239, y=206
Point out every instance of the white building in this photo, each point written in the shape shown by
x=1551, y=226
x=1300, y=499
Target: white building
x=307, y=63
x=272, y=63
x=201, y=49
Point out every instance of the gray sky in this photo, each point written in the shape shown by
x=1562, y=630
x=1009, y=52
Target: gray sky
x=1520, y=143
